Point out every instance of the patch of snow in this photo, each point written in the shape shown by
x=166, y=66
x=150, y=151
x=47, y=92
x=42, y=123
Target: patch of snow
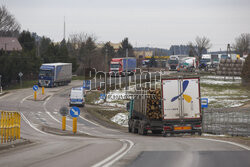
x=220, y=77
x=121, y=119
x=219, y=82
x=206, y=134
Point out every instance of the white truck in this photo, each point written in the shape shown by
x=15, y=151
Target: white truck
x=181, y=105
x=55, y=74
x=180, y=109
x=77, y=97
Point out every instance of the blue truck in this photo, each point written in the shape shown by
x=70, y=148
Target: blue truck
x=55, y=74
x=118, y=66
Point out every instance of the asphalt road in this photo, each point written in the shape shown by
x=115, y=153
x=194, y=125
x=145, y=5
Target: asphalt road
x=109, y=147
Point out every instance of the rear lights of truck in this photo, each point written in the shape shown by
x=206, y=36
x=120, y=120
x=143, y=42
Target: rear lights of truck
x=197, y=126
x=166, y=128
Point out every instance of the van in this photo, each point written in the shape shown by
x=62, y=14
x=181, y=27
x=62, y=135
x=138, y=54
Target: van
x=77, y=97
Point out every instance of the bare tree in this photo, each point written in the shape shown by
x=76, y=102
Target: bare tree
x=242, y=44
x=8, y=24
x=202, y=44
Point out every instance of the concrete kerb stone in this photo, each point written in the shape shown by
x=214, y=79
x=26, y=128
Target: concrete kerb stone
x=13, y=144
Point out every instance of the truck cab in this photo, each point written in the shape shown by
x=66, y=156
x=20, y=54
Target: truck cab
x=46, y=76
x=77, y=97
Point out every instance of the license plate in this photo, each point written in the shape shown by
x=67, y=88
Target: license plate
x=182, y=128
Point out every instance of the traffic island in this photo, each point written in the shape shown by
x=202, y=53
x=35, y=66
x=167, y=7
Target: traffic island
x=13, y=144
x=40, y=97
x=56, y=131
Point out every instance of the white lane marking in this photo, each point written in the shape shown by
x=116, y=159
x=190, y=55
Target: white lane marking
x=32, y=126
x=112, y=159
x=97, y=124
x=44, y=106
x=6, y=95
x=228, y=142
x=25, y=99
x=89, y=121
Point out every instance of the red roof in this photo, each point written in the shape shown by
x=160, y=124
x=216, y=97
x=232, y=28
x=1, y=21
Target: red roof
x=10, y=44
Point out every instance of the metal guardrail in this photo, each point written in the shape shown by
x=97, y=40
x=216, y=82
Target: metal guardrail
x=231, y=121
x=10, y=126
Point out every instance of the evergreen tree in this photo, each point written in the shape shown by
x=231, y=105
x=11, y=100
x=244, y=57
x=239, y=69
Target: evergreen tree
x=122, y=50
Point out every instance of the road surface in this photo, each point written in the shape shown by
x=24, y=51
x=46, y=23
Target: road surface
x=108, y=147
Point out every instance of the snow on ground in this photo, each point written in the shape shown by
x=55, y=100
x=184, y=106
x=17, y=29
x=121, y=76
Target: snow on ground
x=115, y=98
x=219, y=82
x=215, y=77
x=227, y=97
x=121, y=119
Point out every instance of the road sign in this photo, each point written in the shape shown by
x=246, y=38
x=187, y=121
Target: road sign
x=86, y=84
x=204, y=102
x=102, y=96
x=35, y=87
x=64, y=111
x=20, y=74
x=74, y=112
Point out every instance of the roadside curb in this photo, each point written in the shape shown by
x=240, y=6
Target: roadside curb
x=43, y=98
x=3, y=93
x=16, y=143
x=56, y=131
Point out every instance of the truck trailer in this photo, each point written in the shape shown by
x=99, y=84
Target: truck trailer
x=118, y=66
x=176, y=109
x=55, y=74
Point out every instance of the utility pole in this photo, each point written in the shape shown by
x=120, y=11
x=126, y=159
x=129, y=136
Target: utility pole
x=126, y=74
x=106, y=52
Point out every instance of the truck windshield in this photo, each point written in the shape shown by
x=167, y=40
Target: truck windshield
x=47, y=73
x=205, y=60
x=115, y=66
x=173, y=62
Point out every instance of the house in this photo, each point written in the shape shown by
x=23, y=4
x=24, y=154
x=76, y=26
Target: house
x=10, y=44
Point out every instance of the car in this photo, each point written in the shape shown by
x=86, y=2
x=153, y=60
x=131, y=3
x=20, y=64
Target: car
x=77, y=97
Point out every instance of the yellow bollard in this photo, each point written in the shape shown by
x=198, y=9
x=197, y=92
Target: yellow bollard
x=7, y=127
x=13, y=126
x=19, y=125
x=2, y=129
x=74, y=125
x=35, y=95
x=43, y=90
x=63, y=123
x=4, y=126
x=16, y=125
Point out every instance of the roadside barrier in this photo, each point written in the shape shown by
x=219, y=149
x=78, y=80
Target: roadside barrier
x=10, y=126
x=227, y=121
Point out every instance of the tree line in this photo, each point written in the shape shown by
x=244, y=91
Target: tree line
x=82, y=50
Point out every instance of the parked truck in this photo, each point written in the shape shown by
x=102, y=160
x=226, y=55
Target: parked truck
x=55, y=74
x=118, y=66
x=177, y=110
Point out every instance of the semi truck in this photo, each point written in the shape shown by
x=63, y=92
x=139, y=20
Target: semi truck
x=173, y=62
x=118, y=66
x=55, y=74
x=187, y=64
x=177, y=110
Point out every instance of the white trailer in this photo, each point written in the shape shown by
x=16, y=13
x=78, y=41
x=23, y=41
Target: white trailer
x=181, y=105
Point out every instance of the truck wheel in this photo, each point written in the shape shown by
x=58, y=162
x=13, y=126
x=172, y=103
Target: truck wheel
x=141, y=129
x=129, y=129
x=134, y=130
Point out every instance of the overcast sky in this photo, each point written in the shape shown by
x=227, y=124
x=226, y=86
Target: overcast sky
x=154, y=23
